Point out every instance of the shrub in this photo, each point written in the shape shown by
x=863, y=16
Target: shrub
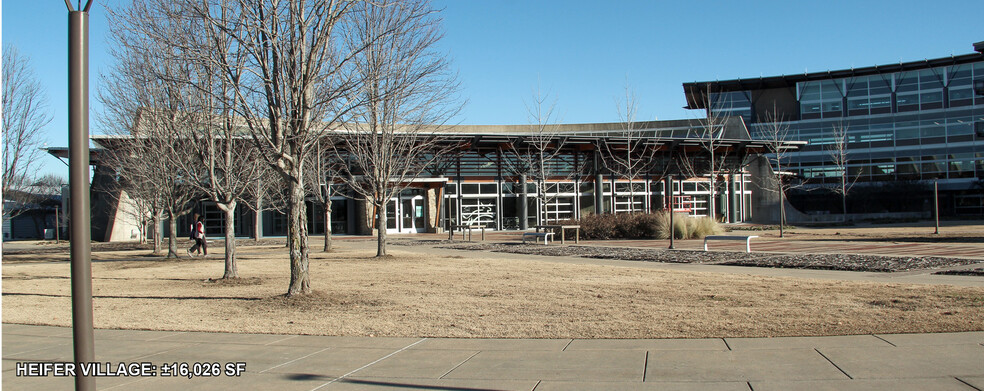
x=644, y=226
x=704, y=226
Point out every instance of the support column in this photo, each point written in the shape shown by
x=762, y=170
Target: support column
x=732, y=205
x=599, y=193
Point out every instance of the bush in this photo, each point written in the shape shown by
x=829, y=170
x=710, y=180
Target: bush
x=644, y=226
x=704, y=226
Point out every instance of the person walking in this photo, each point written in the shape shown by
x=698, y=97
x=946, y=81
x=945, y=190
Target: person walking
x=198, y=234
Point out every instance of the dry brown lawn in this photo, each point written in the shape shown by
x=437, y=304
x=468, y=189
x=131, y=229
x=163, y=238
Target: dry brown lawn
x=416, y=294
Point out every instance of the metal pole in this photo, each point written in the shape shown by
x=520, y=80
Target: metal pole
x=936, y=205
x=78, y=167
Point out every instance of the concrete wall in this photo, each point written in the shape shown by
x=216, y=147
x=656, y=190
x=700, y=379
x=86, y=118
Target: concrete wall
x=765, y=198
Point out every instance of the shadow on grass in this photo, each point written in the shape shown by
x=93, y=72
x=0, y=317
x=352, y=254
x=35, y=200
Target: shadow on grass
x=99, y=278
x=141, y=297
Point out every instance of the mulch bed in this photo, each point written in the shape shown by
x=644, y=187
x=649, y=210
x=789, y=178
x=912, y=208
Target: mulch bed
x=848, y=262
x=969, y=272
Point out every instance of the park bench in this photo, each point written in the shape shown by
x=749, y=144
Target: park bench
x=466, y=228
x=562, y=228
x=537, y=235
x=747, y=239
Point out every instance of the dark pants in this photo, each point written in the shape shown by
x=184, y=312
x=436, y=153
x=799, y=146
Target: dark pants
x=199, y=243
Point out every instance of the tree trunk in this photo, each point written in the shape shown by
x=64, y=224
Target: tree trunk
x=327, y=225
x=711, y=204
x=172, y=236
x=156, y=221
x=381, y=229
x=231, y=270
x=524, y=220
x=297, y=241
x=844, y=198
x=782, y=209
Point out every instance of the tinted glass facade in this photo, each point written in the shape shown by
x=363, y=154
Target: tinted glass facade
x=918, y=125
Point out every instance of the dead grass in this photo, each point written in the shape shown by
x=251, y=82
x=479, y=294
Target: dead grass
x=418, y=293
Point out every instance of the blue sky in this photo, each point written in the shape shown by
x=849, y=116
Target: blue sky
x=584, y=52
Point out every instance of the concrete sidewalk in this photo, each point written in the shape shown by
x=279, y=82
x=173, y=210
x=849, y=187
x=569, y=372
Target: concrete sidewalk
x=949, y=361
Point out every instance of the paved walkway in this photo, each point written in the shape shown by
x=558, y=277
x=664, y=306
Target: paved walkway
x=793, y=245
x=290, y=362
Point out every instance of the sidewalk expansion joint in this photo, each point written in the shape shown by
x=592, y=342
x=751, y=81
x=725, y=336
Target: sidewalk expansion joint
x=294, y=360
x=645, y=366
x=279, y=340
x=368, y=365
x=968, y=384
x=886, y=341
x=536, y=385
x=568, y=344
x=749, y=384
x=832, y=363
x=726, y=344
x=459, y=364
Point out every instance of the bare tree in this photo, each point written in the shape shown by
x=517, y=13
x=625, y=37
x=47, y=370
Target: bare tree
x=323, y=169
x=538, y=154
x=149, y=102
x=134, y=190
x=774, y=132
x=25, y=114
x=838, y=152
x=287, y=65
x=406, y=96
x=266, y=193
x=630, y=155
x=713, y=125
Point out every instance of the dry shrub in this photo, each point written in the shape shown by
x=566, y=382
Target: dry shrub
x=644, y=226
x=703, y=226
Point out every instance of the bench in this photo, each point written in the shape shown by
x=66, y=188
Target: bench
x=537, y=235
x=463, y=228
x=747, y=239
x=561, y=229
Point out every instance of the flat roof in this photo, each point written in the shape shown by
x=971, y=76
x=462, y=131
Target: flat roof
x=697, y=90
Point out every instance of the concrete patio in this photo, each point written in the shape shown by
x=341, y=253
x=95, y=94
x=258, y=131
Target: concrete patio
x=947, y=361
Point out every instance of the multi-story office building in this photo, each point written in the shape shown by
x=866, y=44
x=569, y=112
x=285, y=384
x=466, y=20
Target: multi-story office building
x=907, y=125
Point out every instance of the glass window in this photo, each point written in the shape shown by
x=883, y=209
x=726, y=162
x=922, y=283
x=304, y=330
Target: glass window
x=880, y=85
x=929, y=79
x=809, y=91
x=907, y=82
x=488, y=188
x=830, y=89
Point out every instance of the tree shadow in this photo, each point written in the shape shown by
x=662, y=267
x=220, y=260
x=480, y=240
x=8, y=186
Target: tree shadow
x=140, y=297
x=311, y=376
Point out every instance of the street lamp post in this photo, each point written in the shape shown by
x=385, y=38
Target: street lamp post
x=78, y=168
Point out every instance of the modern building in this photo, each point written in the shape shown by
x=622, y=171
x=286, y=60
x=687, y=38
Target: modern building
x=489, y=179
x=908, y=125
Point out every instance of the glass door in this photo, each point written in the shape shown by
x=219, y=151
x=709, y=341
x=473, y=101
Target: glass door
x=406, y=214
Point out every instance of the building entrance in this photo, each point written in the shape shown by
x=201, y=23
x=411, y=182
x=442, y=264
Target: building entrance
x=406, y=213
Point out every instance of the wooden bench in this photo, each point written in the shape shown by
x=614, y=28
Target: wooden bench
x=537, y=235
x=747, y=239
